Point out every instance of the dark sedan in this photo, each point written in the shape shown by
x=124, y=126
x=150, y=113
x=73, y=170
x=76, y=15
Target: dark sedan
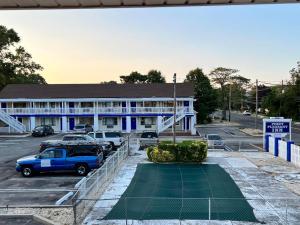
x=42, y=130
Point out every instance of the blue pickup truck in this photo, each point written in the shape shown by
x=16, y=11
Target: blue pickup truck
x=60, y=159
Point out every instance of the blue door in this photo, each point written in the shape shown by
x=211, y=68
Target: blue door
x=123, y=123
x=71, y=123
x=133, y=123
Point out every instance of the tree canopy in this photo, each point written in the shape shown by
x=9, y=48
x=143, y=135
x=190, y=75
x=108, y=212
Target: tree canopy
x=205, y=95
x=222, y=76
x=153, y=76
x=16, y=64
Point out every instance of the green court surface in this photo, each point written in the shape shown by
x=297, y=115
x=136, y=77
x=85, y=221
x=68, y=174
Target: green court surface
x=182, y=191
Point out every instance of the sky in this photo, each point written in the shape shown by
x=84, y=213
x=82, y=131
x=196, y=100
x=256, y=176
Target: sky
x=94, y=45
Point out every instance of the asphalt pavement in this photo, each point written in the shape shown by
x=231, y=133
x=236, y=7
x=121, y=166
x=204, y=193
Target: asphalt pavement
x=44, y=188
x=249, y=122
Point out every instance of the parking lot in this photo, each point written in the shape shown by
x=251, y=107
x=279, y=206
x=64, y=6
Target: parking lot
x=41, y=189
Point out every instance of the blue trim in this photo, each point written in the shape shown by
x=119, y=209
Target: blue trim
x=92, y=115
x=276, y=151
x=288, y=150
x=267, y=142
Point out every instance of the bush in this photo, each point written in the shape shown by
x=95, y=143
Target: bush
x=187, y=151
x=149, y=151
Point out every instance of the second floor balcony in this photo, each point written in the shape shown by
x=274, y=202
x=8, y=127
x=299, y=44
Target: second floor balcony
x=100, y=111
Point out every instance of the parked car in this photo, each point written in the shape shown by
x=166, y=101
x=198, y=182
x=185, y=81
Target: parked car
x=214, y=141
x=246, y=113
x=104, y=146
x=78, y=137
x=82, y=128
x=115, y=138
x=148, y=139
x=79, y=159
x=42, y=130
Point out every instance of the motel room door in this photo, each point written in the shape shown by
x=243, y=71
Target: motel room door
x=71, y=123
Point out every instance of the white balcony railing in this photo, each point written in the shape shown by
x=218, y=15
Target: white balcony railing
x=91, y=110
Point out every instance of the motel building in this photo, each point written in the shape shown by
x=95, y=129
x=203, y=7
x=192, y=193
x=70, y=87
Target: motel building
x=111, y=107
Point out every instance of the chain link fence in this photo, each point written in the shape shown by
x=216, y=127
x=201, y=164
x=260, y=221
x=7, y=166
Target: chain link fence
x=162, y=210
x=92, y=186
x=235, y=145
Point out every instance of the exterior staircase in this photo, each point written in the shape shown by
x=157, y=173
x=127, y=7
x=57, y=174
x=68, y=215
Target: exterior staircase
x=165, y=124
x=12, y=122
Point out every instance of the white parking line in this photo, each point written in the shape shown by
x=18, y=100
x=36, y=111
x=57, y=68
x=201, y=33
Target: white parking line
x=17, y=140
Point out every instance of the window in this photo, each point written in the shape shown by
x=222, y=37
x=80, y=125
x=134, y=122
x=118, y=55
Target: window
x=112, y=134
x=110, y=121
x=147, y=121
x=48, y=154
x=91, y=134
x=149, y=135
x=99, y=135
x=58, y=153
x=48, y=121
x=83, y=150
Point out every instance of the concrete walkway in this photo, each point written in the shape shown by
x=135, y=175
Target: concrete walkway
x=271, y=186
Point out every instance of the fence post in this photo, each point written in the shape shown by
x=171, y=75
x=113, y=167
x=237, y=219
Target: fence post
x=74, y=211
x=126, y=209
x=209, y=208
x=267, y=142
x=286, y=212
x=289, y=150
x=276, y=150
x=128, y=145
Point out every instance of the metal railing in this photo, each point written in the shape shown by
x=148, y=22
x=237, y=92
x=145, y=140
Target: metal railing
x=92, y=110
x=93, y=185
x=12, y=122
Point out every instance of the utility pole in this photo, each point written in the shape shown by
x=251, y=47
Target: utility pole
x=282, y=91
x=174, y=122
x=256, y=102
x=229, y=104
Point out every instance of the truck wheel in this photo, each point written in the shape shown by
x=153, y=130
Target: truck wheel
x=27, y=171
x=82, y=169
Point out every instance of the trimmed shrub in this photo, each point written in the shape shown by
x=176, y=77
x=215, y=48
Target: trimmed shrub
x=149, y=151
x=187, y=151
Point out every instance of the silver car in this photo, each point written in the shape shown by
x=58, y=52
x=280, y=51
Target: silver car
x=214, y=141
x=82, y=129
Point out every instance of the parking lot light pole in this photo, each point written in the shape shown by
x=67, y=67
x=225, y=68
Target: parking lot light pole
x=174, y=121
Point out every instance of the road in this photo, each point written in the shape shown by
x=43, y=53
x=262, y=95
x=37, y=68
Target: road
x=249, y=122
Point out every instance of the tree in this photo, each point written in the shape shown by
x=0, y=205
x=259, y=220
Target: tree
x=206, y=100
x=153, y=76
x=285, y=100
x=16, y=65
x=239, y=89
x=221, y=76
x=109, y=82
x=134, y=77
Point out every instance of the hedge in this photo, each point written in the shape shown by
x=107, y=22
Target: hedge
x=187, y=151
